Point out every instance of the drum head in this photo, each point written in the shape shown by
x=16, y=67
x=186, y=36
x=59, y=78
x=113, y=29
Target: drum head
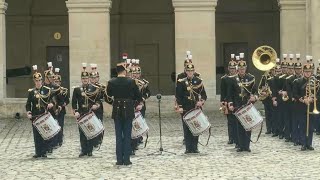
x=192, y=113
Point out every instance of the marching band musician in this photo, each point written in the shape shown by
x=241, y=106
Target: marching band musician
x=143, y=87
x=190, y=94
x=49, y=82
x=265, y=97
x=274, y=84
x=241, y=92
x=295, y=132
x=287, y=93
x=94, y=79
x=84, y=99
x=183, y=74
x=39, y=100
x=232, y=120
x=282, y=102
x=122, y=93
x=63, y=101
x=305, y=94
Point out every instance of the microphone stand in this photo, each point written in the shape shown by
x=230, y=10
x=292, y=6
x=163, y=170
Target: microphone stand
x=161, y=150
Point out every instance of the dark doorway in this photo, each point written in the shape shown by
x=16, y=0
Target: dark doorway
x=149, y=60
x=59, y=56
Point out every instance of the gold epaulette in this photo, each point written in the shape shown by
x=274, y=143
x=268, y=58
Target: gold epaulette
x=73, y=87
x=198, y=74
x=147, y=82
x=29, y=90
x=289, y=77
x=47, y=87
x=181, y=80
x=282, y=76
x=270, y=78
x=136, y=81
x=224, y=76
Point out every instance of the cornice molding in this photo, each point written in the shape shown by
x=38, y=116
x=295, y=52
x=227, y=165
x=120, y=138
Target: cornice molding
x=292, y=4
x=88, y=6
x=194, y=5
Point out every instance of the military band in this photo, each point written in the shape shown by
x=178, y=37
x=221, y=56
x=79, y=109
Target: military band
x=288, y=89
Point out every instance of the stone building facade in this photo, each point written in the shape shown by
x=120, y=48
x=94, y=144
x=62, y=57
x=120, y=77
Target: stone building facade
x=158, y=32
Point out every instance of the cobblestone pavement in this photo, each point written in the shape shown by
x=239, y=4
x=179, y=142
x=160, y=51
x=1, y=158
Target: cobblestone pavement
x=270, y=158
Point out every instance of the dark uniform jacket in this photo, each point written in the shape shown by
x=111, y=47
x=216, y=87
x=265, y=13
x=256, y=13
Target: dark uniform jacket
x=84, y=97
x=145, y=91
x=63, y=99
x=38, y=100
x=102, y=89
x=240, y=89
x=189, y=92
x=122, y=93
x=299, y=91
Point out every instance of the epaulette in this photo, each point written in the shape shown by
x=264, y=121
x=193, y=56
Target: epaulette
x=224, y=76
x=29, y=90
x=145, y=81
x=73, y=87
x=289, y=77
x=270, y=78
x=198, y=74
x=282, y=76
x=47, y=87
x=136, y=81
x=181, y=80
x=250, y=75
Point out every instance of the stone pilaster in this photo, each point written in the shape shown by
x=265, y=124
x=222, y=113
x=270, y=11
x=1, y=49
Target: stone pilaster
x=195, y=31
x=315, y=29
x=3, y=8
x=89, y=37
x=293, y=26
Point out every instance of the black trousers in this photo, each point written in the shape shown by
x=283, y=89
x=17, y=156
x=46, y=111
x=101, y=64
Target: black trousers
x=287, y=117
x=86, y=145
x=123, y=128
x=295, y=125
x=41, y=146
x=60, y=119
x=232, y=128
x=268, y=109
x=191, y=141
x=244, y=137
x=306, y=140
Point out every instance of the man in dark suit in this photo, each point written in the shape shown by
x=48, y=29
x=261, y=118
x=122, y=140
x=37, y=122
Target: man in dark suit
x=122, y=93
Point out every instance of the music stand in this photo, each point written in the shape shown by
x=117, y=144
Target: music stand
x=161, y=150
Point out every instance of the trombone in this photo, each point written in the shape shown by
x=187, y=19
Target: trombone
x=309, y=94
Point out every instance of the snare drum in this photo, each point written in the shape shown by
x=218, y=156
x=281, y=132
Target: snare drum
x=139, y=126
x=196, y=121
x=249, y=117
x=90, y=125
x=47, y=126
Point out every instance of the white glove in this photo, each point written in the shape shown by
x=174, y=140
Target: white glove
x=139, y=107
x=50, y=105
x=94, y=107
x=199, y=104
x=77, y=115
x=29, y=115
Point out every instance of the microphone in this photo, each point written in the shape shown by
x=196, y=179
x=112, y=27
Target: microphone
x=158, y=96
